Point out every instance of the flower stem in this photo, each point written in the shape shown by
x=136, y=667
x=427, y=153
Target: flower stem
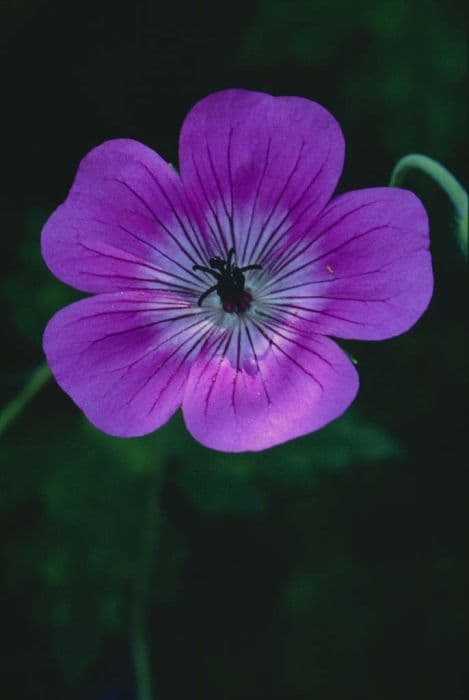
x=140, y=651
x=455, y=191
x=37, y=380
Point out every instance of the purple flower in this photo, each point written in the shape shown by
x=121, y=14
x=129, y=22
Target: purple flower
x=216, y=289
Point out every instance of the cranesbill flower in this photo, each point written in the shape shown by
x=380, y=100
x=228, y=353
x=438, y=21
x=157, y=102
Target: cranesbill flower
x=216, y=289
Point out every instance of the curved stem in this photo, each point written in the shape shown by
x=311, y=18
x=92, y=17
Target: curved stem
x=441, y=175
x=14, y=407
x=140, y=651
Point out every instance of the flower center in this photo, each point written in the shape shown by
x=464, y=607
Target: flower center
x=230, y=283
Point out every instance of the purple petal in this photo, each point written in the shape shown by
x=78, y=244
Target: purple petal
x=236, y=400
x=363, y=270
x=125, y=224
x=258, y=167
x=124, y=357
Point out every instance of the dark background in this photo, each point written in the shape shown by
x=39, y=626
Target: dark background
x=331, y=567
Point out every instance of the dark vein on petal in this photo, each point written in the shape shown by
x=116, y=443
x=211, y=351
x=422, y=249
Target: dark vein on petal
x=284, y=352
x=217, y=344
x=276, y=280
x=275, y=234
x=150, y=245
x=191, y=216
x=256, y=197
x=256, y=360
x=294, y=341
x=166, y=285
x=345, y=298
x=126, y=312
x=321, y=312
x=216, y=178
x=159, y=367
x=198, y=251
x=138, y=328
x=185, y=295
x=214, y=379
x=156, y=218
x=204, y=336
x=277, y=201
x=238, y=369
x=230, y=181
x=334, y=278
x=132, y=302
x=294, y=253
x=150, y=351
x=273, y=250
x=138, y=261
x=220, y=237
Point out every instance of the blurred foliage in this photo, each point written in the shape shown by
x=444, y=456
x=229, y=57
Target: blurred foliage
x=402, y=78
x=238, y=484
x=85, y=549
x=92, y=495
x=328, y=607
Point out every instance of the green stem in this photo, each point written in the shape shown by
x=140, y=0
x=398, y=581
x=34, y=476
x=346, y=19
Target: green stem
x=455, y=191
x=37, y=380
x=140, y=652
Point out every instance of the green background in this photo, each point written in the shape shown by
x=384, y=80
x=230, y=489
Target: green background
x=330, y=567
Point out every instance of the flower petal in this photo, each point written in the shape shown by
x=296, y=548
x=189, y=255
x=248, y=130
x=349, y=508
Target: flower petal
x=237, y=400
x=125, y=224
x=124, y=357
x=258, y=166
x=363, y=270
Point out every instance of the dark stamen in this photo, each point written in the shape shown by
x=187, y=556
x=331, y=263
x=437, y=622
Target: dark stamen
x=230, y=283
